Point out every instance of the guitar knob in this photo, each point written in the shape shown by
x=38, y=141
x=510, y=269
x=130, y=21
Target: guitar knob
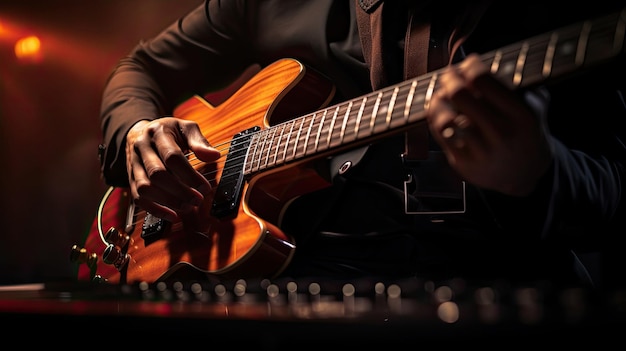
x=80, y=255
x=98, y=279
x=114, y=256
x=115, y=237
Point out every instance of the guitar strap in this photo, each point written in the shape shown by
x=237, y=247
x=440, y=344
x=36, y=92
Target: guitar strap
x=371, y=24
x=374, y=28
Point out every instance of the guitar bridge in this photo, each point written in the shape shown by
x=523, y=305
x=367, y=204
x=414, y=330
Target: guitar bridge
x=152, y=227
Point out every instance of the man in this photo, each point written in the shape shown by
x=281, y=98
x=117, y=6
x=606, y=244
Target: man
x=502, y=183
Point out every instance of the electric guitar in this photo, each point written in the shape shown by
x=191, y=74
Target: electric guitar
x=267, y=152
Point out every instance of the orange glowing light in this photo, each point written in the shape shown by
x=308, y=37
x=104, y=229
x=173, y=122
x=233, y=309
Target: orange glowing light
x=28, y=48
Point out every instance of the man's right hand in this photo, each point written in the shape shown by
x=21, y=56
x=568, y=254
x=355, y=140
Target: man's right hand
x=162, y=180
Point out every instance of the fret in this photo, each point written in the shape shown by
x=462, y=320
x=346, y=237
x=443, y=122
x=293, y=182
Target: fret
x=568, y=52
x=261, y=151
x=430, y=90
x=548, y=61
x=404, y=104
x=331, y=128
x=250, y=157
x=390, y=107
x=258, y=141
x=267, y=150
x=385, y=112
x=357, y=123
x=581, y=51
x=247, y=163
x=338, y=126
x=286, y=144
x=308, y=136
x=354, y=120
x=326, y=129
x=346, y=115
x=375, y=113
x=494, y=66
x=409, y=100
x=288, y=141
x=395, y=108
x=507, y=66
x=296, y=141
x=342, y=115
x=350, y=117
x=420, y=98
x=320, y=130
x=533, y=55
x=520, y=63
x=276, y=146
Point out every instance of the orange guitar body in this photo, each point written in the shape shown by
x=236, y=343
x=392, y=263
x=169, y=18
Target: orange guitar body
x=249, y=243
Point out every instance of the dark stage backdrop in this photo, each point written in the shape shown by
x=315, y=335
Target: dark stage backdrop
x=49, y=124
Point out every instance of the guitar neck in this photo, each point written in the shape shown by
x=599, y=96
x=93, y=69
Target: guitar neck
x=398, y=107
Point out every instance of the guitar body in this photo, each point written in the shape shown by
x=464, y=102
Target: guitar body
x=125, y=244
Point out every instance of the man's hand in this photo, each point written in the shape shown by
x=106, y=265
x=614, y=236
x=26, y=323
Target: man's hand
x=162, y=180
x=492, y=136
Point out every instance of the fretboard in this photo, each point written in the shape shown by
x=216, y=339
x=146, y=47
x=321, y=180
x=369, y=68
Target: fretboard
x=398, y=107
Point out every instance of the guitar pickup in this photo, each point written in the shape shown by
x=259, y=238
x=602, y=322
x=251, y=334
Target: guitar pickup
x=228, y=193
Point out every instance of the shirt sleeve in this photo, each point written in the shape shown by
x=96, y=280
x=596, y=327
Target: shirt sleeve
x=579, y=203
x=160, y=73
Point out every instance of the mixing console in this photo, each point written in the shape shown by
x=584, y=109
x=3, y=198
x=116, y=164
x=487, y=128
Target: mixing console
x=363, y=311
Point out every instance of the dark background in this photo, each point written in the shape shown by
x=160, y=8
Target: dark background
x=49, y=123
